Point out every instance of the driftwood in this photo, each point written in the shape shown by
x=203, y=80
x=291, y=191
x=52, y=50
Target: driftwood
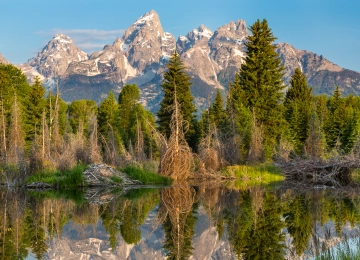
x=315, y=171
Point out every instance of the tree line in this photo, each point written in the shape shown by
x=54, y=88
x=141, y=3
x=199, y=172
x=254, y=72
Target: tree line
x=259, y=119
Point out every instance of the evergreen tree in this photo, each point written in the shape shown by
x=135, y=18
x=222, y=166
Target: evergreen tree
x=239, y=122
x=261, y=82
x=298, y=103
x=335, y=120
x=176, y=79
x=108, y=114
x=35, y=104
x=80, y=113
x=216, y=111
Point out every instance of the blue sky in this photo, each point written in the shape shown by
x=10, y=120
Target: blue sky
x=326, y=27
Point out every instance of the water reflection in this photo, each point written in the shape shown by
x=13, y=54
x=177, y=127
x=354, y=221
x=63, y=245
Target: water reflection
x=202, y=221
x=177, y=212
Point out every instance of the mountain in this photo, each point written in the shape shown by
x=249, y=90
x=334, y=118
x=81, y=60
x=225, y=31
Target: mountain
x=141, y=54
x=321, y=73
x=3, y=60
x=54, y=59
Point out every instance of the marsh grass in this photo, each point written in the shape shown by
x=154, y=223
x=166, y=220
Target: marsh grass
x=70, y=178
x=145, y=176
x=263, y=172
x=245, y=176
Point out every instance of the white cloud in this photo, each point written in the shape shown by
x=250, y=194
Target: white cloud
x=88, y=40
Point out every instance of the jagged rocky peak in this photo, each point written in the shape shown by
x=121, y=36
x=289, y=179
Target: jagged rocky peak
x=56, y=56
x=3, y=60
x=309, y=63
x=199, y=33
x=145, y=43
x=110, y=61
x=186, y=42
x=117, y=43
x=228, y=49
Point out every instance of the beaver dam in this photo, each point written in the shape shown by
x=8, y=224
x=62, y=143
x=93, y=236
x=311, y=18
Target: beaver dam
x=316, y=171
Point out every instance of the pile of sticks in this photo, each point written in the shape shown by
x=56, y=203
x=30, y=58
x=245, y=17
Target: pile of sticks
x=315, y=171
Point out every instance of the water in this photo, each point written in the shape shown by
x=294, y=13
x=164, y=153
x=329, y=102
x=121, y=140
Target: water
x=208, y=221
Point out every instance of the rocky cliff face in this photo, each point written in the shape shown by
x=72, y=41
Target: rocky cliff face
x=56, y=56
x=145, y=43
x=3, y=60
x=321, y=73
x=140, y=57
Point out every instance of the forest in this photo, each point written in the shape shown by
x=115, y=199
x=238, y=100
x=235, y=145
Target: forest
x=259, y=120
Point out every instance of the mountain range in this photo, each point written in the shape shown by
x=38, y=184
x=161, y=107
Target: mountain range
x=141, y=54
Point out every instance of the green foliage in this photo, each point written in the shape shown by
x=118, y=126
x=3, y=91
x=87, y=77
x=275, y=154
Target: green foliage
x=116, y=179
x=253, y=175
x=255, y=233
x=176, y=79
x=75, y=195
x=299, y=223
x=12, y=82
x=145, y=176
x=261, y=85
x=139, y=193
x=134, y=121
x=66, y=179
x=298, y=105
x=128, y=101
x=108, y=114
x=80, y=114
x=35, y=106
x=185, y=234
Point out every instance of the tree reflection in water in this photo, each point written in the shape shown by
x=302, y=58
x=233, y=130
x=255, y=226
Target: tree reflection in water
x=253, y=222
x=177, y=212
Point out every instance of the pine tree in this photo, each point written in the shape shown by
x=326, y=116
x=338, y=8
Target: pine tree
x=216, y=111
x=176, y=77
x=35, y=104
x=261, y=82
x=298, y=103
x=238, y=124
x=335, y=120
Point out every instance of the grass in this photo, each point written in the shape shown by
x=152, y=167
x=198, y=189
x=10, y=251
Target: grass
x=116, y=179
x=145, y=176
x=67, y=179
x=246, y=175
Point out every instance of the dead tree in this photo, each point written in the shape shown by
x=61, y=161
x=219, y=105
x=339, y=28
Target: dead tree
x=176, y=159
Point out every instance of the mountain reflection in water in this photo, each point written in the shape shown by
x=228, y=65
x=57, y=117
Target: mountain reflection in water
x=202, y=222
